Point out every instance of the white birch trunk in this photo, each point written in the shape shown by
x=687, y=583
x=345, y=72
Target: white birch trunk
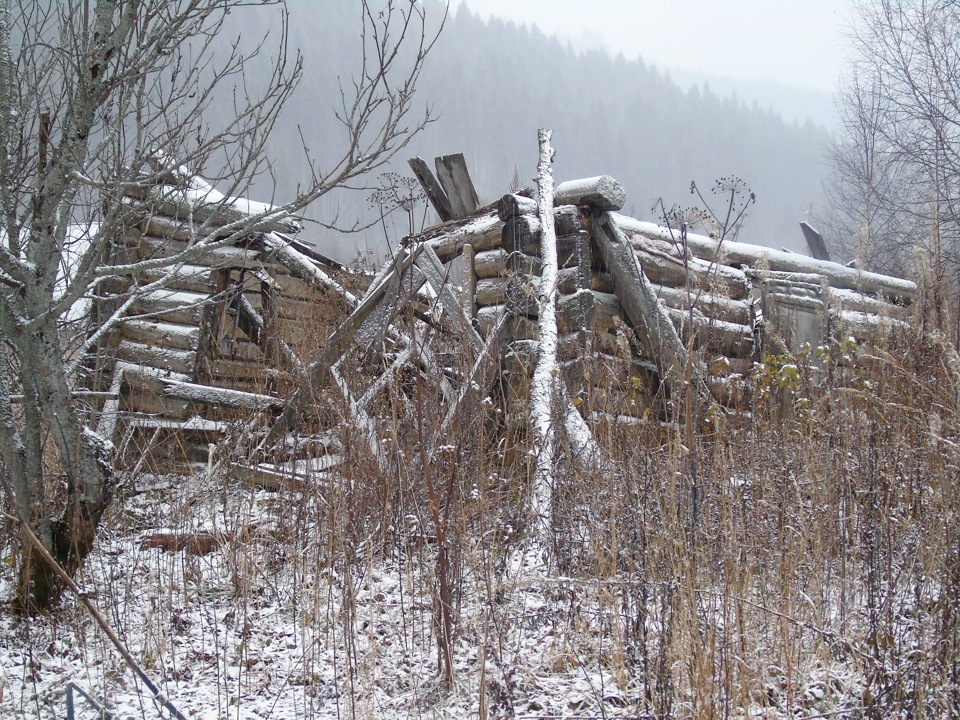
x=543, y=384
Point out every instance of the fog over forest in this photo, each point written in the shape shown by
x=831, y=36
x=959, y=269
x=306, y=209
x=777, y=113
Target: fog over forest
x=490, y=85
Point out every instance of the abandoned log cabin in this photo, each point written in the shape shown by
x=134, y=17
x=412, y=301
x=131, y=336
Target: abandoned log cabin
x=258, y=337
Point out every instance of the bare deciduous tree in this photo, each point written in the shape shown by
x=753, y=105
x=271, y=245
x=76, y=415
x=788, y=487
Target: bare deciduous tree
x=103, y=99
x=895, y=191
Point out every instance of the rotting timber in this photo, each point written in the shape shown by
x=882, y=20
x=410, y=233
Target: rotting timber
x=261, y=335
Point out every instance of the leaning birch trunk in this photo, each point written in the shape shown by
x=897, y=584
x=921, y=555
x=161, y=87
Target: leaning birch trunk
x=543, y=384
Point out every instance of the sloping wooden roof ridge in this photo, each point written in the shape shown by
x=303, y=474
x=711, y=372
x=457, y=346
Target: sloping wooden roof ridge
x=235, y=330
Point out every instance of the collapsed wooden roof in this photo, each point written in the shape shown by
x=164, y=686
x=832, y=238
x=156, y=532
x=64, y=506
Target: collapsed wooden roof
x=258, y=324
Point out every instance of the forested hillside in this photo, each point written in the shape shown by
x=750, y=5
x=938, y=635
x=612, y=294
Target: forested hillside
x=490, y=86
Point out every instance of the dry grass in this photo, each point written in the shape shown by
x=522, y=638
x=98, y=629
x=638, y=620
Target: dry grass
x=799, y=557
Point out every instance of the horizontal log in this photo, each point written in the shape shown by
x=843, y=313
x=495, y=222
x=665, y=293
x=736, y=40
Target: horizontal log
x=518, y=327
x=212, y=255
x=666, y=269
x=172, y=306
x=841, y=299
x=147, y=379
x=196, y=200
x=814, y=292
x=161, y=334
x=788, y=278
x=253, y=376
x=239, y=347
x=714, y=336
x=192, y=425
x=864, y=326
x=149, y=404
x=481, y=231
x=713, y=306
x=493, y=291
x=777, y=260
x=193, y=278
x=813, y=304
x=166, y=227
x=601, y=193
x=494, y=263
x=294, y=287
x=181, y=361
x=216, y=396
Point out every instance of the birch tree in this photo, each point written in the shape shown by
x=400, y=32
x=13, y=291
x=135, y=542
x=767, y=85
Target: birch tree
x=103, y=99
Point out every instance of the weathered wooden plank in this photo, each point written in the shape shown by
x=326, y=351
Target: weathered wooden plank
x=435, y=193
x=455, y=180
x=815, y=243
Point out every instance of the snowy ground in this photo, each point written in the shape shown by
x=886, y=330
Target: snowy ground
x=248, y=632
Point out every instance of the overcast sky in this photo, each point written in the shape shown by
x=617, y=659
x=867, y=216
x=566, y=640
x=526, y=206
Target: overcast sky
x=795, y=42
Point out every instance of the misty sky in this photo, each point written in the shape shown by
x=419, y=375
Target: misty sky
x=795, y=42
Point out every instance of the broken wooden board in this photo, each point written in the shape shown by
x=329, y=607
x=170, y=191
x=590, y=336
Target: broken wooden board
x=455, y=179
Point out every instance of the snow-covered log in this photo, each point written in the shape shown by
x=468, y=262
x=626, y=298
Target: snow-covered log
x=207, y=395
x=663, y=265
x=744, y=254
x=602, y=193
x=196, y=200
x=494, y=263
x=481, y=231
x=511, y=206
